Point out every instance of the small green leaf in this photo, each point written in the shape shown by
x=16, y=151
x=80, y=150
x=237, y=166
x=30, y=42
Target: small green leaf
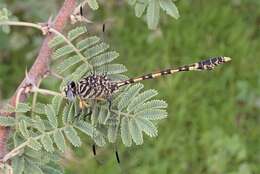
x=71, y=113
x=129, y=95
x=131, y=2
x=47, y=143
x=76, y=32
x=23, y=107
x=7, y=121
x=88, y=42
x=125, y=132
x=112, y=133
x=111, y=69
x=104, y=58
x=18, y=165
x=141, y=98
x=32, y=168
x=152, y=114
x=39, y=108
x=93, y=4
x=68, y=63
x=34, y=144
x=72, y=136
x=57, y=40
x=56, y=103
x=140, y=7
x=89, y=130
x=153, y=14
x=65, y=50
x=136, y=132
x=50, y=112
x=39, y=124
x=147, y=126
x=23, y=129
x=65, y=114
x=96, y=50
x=59, y=140
x=170, y=8
x=153, y=104
x=51, y=170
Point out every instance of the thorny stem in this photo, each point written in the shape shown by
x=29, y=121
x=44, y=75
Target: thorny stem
x=40, y=66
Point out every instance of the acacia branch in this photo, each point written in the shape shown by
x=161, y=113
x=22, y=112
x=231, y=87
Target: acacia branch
x=39, y=69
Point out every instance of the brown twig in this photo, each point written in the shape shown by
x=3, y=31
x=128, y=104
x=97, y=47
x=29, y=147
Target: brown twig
x=38, y=70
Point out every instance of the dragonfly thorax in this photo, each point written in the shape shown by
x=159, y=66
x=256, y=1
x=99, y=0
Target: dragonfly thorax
x=95, y=86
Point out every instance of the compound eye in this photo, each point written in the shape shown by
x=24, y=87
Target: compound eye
x=72, y=84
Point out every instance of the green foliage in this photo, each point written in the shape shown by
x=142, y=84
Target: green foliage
x=93, y=4
x=153, y=10
x=188, y=141
x=128, y=118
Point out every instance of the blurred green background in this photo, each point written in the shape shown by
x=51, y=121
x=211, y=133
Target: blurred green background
x=214, y=119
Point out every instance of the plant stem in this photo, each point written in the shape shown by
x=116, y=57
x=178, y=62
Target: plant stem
x=24, y=24
x=46, y=92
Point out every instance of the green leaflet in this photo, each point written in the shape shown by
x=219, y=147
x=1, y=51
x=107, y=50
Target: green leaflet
x=170, y=8
x=112, y=133
x=111, y=69
x=153, y=10
x=104, y=58
x=65, y=114
x=39, y=124
x=87, y=42
x=23, y=107
x=71, y=113
x=153, y=104
x=68, y=63
x=125, y=132
x=18, y=165
x=72, y=136
x=34, y=144
x=23, y=129
x=153, y=14
x=47, y=143
x=89, y=130
x=32, y=168
x=128, y=95
x=51, y=115
x=39, y=108
x=140, y=7
x=131, y=2
x=147, y=126
x=76, y=32
x=136, y=132
x=7, y=121
x=59, y=140
x=57, y=40
x=56, y=103
x=60, y=52
x=141, y=98
x=95, y=50
x=93, y=4
x=52, y=170
x=152, y=114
